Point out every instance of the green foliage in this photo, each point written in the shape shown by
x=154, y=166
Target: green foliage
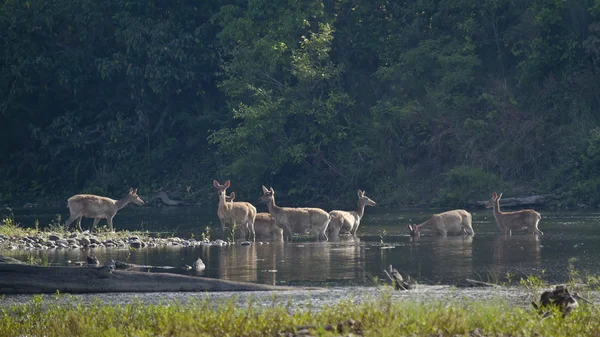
x=376, y=317
x=314, y=98
x=463, y=184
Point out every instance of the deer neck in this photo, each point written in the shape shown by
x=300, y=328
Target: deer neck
x=272, y=207
x=360, y=211
x=425, y=224
x=122, y=202
x=497, y=212
x=222, y=201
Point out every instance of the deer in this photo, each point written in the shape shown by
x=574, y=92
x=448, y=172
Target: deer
x=343, y=222
x=296, y=220
x=241, y=214
x=457, y=221
x=510, y=221
x=264, y=223
x=96, y=207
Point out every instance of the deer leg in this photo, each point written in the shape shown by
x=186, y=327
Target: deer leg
x=222, y=228
x=96, y=220
x=79, y=223
x=110, y=224
x=71, y=219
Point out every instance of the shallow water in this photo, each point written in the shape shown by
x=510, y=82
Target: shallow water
x=348, y=261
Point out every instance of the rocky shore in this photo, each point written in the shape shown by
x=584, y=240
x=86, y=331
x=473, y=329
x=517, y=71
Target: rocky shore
x=86, y=240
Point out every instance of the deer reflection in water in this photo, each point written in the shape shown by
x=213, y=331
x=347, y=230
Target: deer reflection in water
x=512, y=250
x=433, y=253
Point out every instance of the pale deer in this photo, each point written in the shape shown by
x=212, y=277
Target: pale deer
x=457, y=221
x=511, y=221
x=343, y=222
x=96, y=207
x=264, y=223
x=241, y=214
x=296, y=220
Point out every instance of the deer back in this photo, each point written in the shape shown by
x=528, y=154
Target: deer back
x=264, y=225
x=302, y=219
x=92, y=206
x=526, y=218
x=238, y=212
x=342, y=222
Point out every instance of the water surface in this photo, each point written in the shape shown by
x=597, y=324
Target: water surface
x=349, y=261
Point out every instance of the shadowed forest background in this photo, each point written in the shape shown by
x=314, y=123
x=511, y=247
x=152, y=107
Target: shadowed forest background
x=418, y=102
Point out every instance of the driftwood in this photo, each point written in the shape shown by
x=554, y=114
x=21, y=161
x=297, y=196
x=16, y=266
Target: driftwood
x=519, y=201
x=162, y=196
x=27, y=279
x=397, y=280
x=469, y=283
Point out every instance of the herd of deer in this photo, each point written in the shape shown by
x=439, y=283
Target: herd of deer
x=283, y=221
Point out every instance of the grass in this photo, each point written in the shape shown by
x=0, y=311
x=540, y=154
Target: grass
x=379, y=317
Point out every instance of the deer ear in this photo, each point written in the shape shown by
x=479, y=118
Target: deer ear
x=494, y=195
x=232, y=196
x=265, y=190
x=135, y=191
x=360, y=194
x=131, y=190
x=216, y=184
x=410, y=227
x=227, y=184
x=500, y=196
x=272, y=190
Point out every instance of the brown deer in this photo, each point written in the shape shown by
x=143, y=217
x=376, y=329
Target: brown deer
x=264, y=223
x=343, y=222
x=457, y=221
x=239, y=213
x=296, y=220
x=93, y=206
x=511, y=221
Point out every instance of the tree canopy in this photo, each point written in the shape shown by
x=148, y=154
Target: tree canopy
x=418, y=102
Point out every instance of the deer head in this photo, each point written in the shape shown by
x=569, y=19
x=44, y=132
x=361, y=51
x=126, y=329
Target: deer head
x=495, y=198
x=133, y=197
x=230, y=198
x=364, y=200
x=268, y=194
x=221, y=189
x=413, y=230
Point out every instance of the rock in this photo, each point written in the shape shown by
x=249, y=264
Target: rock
x=94, y=240
x=85, y=241
x=79, y=263
x=133, y=238
x=135, y=244
x=199, y=265
x=92, y=259
x=53, y=237
x=62, y=242
x=92, y=245
x=73, y=235
x=246, y=243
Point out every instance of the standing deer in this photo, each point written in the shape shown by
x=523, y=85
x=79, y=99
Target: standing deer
x=296, y=220
x=239, y=213
x=264, y=223
x=93, y=206
x=512, y=221
x=456, y=221
x=343, y=222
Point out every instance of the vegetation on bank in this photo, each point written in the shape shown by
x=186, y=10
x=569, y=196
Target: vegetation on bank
x=373, y=317
x=419, y=102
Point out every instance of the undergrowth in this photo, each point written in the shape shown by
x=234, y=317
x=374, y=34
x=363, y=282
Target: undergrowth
x=379, y=317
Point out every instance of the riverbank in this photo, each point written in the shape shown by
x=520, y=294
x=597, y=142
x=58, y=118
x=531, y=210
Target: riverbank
x=381, y=312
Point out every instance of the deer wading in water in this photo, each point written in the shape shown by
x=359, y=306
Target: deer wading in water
x=457, y=221
x=296, y=220
x=511, y=221
x=343, y=222
x=241, y=214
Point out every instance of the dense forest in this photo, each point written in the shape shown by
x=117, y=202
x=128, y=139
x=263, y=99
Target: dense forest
x=430, y=102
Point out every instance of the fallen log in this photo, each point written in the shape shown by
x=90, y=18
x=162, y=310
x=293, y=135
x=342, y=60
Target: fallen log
x=27, y=279
x=519, y=201
x=469, y=283
x=164, y=197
